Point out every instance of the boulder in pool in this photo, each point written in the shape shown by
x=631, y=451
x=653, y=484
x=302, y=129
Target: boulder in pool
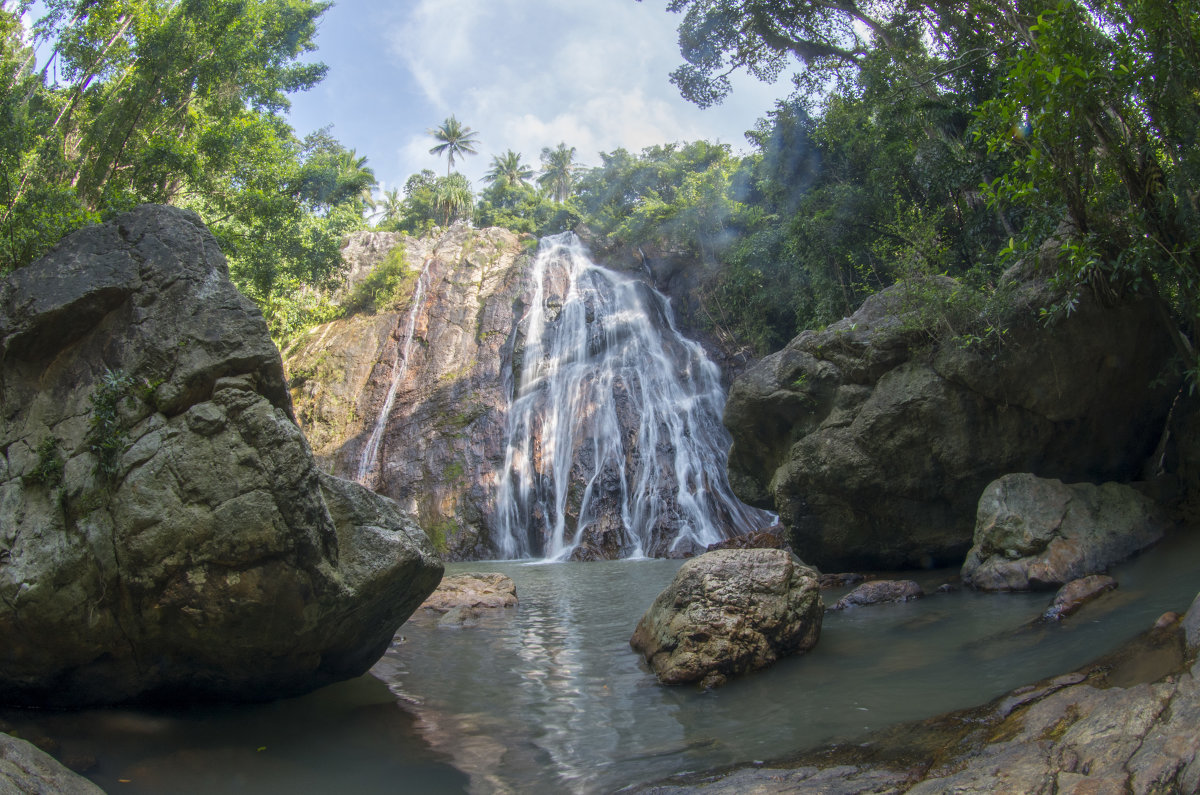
x=472, y=591
x=730, y=612
x=164, y=532
x=877, y=592
x=1035, y=533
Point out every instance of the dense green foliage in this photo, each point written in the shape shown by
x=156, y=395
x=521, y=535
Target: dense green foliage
x=180, y=102
x=938, y=137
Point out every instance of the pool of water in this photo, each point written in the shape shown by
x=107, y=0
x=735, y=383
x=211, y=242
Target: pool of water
x=548, y=696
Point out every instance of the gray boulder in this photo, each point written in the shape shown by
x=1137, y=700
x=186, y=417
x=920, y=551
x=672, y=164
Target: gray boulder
x=26, y=769
x=729, y=612
x=879, y=592
x=164, y=533
x=873, y=441
x=1033, y=533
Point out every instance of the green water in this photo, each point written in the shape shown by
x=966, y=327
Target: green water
x=548, y=697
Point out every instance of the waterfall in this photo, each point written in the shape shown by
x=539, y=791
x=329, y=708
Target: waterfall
x=368, y=459
x=615, y=446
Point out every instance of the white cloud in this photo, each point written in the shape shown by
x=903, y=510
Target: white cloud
x=525, y=74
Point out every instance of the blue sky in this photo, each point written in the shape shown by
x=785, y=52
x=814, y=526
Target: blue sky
x=522, y=73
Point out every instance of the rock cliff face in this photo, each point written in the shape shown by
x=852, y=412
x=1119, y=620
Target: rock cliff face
x=442, y=364
x=419, y=403
x=874, y=445
x=164, y=532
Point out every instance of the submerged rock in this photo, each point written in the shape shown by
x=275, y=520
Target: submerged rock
x=873, y=444
x=473, y=591
x=164, y=533
x=879, y=592
x=1033, y=533
x=730, y=612
x=1076, y=594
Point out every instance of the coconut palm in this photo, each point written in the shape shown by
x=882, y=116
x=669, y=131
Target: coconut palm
x=390, y=206
x=558, y=171
x=452, y=196
x=508, y=171
x=457, y=140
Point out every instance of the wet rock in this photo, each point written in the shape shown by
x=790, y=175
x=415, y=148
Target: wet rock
x=25, y=769
x=1191, y=626
x=1076, y=594
x=1167, y=619
x=164, y=532
x=1088, y=731
x=730, y=612
x=486, y=590
x=879, y=592
x=841, y=580
x=873, y=445
x=758, y=539
x=1033, y=533
x=460, y=617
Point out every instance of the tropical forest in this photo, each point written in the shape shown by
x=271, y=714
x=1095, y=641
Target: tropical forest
x=539, y=451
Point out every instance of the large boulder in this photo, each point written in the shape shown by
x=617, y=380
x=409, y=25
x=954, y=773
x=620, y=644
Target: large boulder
x=26, y=769
x=164, y=533
x=873, y=441
x=729, y=612
x=1033, y=533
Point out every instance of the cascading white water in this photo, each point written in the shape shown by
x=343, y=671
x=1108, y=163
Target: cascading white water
x=615, y=439
x=368, y=458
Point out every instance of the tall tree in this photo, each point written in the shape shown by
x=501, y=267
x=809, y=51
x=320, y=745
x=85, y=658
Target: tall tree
x=559, y=170
x=457, y=140
x=452, y=196
x=508, y=171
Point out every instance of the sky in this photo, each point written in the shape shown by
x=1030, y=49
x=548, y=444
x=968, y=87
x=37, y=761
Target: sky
x=523, y=74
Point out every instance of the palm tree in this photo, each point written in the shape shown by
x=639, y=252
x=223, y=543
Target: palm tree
x=558, y=171
x=452, y=196
x=390, y=206
x=456, y=139
x=355, y=179
x=508, y=171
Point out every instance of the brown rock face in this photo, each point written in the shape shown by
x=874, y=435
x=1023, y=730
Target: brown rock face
x=164, y=532
x=1033, y=533
x=874, y=445
x=730, y=612
x=442, y=442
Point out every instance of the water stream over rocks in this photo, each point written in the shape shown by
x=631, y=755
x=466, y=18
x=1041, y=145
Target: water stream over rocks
x=615, y=443
x=548, y=697
x=368, y=461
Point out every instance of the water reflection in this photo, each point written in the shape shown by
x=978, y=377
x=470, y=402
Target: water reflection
x=555, y=684
x=548, y=697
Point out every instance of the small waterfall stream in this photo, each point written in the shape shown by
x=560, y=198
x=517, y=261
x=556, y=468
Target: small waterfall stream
x=615, y=444
x=368, y=459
